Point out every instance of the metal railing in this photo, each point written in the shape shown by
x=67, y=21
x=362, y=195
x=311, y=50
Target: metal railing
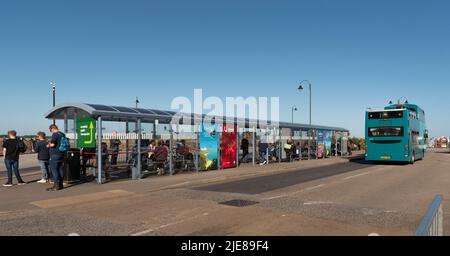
x=432, y=223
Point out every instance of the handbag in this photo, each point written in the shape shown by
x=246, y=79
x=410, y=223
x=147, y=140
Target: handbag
x=287, y=146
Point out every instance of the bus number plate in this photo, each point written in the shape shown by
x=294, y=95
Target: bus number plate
x=385, y=157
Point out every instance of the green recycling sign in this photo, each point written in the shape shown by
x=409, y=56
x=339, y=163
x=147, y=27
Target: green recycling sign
x=86, y=128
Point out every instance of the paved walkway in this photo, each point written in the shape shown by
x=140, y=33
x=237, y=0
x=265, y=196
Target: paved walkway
x=317, y=197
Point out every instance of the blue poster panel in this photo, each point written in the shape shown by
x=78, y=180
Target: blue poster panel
x=209, y=138
x=328, y=136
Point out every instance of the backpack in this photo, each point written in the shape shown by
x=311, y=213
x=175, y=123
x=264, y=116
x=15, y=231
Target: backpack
x=21, y=146
x=64, y=143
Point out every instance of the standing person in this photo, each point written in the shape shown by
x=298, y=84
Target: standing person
x=262, y=148
x=114, y=146
x=298, y=151
x=56, y=158
x=349, y=147
x=289, y=148
x=244, y=147
x=105, y=163
x=43, y=154
x=12, y=147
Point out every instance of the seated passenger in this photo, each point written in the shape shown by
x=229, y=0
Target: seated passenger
x=161, y=152
x=183, y=150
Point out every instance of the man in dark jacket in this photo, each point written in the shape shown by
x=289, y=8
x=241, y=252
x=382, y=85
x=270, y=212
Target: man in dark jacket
x=11, y=152
x=56, y=158
x=244, y=147
x=43, y=154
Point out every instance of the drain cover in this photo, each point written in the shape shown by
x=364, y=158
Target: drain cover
x=239, y=203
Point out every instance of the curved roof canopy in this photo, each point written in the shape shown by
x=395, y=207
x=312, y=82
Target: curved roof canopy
x=123, y=114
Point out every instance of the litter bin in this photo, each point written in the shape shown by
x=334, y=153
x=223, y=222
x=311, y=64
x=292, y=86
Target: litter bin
x=72, y=166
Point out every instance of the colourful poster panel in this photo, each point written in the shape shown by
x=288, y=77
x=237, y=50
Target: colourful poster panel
x=320, y=144
x=229, y=146
x=327, y=140
x=209, y=138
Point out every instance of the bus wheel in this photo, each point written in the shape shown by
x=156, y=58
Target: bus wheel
x=413, y=158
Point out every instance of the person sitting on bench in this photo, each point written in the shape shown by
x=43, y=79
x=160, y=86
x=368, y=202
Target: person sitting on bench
x=160, y=153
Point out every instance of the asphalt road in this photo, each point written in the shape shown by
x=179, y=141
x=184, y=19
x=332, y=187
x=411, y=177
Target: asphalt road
x=331, y=197
x=272, y=182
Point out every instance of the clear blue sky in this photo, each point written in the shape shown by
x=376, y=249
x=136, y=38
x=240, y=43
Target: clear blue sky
x=357, y=54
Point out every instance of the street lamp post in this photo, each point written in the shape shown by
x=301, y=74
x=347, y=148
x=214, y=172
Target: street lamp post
x=294, y=108
x=300, y=87
x=137, y=102
x=53, y=84
x=136, y=126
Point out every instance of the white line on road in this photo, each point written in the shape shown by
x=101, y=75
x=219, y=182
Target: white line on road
x=315, y=187
x=357, y=175
x=294, y=193
x=157, y=228
x=317, y=202
x=166, y=225
x=273, y=197
x=374, y=170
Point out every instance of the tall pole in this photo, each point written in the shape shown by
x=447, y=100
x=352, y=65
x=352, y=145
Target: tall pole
x=139, y=151
x=99, y=150
x=253, y=145
x=310, y=114
x=136, y=126
x=310, y=105
x=53, y=84
x=171, y=151
x=292, y=112
x=310, y=117
x=294, y=108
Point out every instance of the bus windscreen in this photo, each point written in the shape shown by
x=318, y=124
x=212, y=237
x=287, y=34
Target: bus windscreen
x=386, y=132
x=385, y=114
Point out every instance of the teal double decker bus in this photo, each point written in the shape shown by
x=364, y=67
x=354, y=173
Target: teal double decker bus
x=397, y=134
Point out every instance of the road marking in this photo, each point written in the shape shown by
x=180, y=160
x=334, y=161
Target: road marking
x=294, y=193
x=374, y=170
x=200, y=182
x=315, y=187
x=274, y=197
x=357, y=175
x=82, y=199
x=317, y=202
x=166, y=225
x=157, y=228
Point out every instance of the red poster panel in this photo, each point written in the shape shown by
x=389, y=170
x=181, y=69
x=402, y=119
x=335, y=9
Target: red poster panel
x=229, y=146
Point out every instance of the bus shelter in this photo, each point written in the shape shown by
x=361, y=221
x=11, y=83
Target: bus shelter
x=160, y=124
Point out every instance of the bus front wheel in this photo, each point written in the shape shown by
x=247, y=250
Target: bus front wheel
x=413, y=158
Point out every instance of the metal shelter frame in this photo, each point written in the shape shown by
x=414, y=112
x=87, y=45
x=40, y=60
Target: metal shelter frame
x=102, y=113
